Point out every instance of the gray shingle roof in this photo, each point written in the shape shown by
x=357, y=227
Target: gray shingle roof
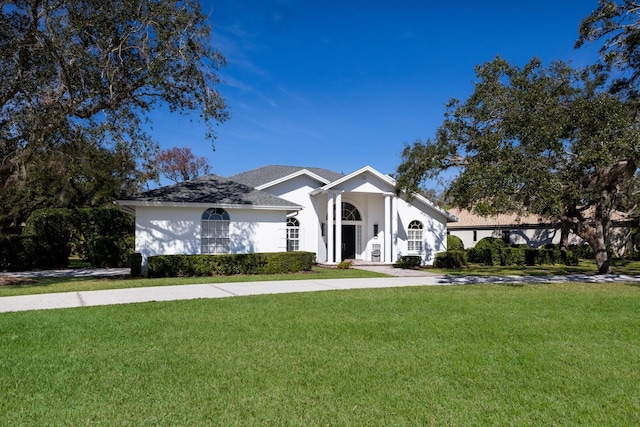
x=212, y=189
x=266, y=174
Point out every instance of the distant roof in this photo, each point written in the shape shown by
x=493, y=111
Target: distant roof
x=266, y=174
x=467, y=219
x=213, y=190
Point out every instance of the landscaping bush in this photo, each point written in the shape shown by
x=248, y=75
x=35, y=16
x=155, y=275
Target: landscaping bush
x=490, y=243
x=224, y=265
x=345, y=265
x=486, y=256
x=104, y=236
x=512, y=256
x=109, y=251
x=454, y=243
x=550, y=257
x=51, y=230
x=135, y=262
x=450, y=259
x=16, y=253
x=583, y=251
x=408, y=261
x=486, y=251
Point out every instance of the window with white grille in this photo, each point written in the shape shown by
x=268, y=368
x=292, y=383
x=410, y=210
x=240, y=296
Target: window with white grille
x=215, y=231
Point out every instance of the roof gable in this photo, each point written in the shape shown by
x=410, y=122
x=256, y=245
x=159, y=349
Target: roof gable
x=267, y=176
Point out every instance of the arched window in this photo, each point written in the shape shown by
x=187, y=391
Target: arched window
x=350, y=212
x=215, y=231
x=293, y=234
x=414, y=236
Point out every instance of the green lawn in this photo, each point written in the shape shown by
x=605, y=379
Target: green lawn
x=619, y=266
x=52, y=284
x=564, y=354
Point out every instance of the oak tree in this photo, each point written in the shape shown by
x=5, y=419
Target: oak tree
x=550, y=141
x=88, y=73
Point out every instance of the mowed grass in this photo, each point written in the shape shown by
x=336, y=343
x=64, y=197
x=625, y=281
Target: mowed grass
x=586, y=266
x=562, y=354
x=44, y=285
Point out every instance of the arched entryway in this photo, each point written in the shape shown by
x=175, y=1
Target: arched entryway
x=351, y=223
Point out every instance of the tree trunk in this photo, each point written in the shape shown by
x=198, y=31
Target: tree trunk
x=564, y=237
x=602, y=257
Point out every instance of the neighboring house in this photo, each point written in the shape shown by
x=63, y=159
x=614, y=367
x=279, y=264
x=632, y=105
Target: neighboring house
x=285, y=208
x=532, y=230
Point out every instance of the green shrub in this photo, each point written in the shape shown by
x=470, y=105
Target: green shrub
x=582, y=251
x=409, y=261
x=450, y=259
x=486, y=251
x=109, y=251
x=550, y=257
x=51, y=230
x=454, y=243
x=486, y=256
x=490, y=243
x=225, y=265
x=512, y=256
x=135, y=263
x=17, y=253
x=103, y=236
x=345, y=265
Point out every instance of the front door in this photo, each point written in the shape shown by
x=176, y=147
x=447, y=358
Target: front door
x=348, y=242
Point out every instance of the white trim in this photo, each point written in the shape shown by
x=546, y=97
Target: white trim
x=291, y=176
x=128, y=203
x=389, y=180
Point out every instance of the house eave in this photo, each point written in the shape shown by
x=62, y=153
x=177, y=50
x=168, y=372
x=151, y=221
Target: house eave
x=130, y=205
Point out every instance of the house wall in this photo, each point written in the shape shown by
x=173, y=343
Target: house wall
x=297, y=191
x=173, y=231
x=537, y=237
x=533, y=237
x=434, y=231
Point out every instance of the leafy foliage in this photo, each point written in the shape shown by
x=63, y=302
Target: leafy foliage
x=454, y=243
x=548, y=141
x=211, y=265
x=180, y=164
x=617, y=25
x=77, y=82
x=450, y=259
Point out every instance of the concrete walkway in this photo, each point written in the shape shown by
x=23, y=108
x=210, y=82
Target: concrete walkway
x=223, y=290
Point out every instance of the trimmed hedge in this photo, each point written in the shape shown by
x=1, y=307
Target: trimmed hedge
x=550, y=257
x=454, y=243
x=17, y=253
x=450, y=259
x=408, y=261
x=226, y=265
x=51, y=230
x=512, y=256
x=104, y=236
x=135, y=263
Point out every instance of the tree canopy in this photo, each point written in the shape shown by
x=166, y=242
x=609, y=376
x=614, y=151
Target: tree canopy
x=179, y=164
x=82, y=76
x=544, y=140
x=617, y=25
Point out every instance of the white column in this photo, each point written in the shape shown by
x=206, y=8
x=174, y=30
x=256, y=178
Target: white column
x=394, y=229
x=329, y=230
x=338, y=227
x=387, y=228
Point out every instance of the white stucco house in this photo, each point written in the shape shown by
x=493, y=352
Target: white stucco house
x=357, y=216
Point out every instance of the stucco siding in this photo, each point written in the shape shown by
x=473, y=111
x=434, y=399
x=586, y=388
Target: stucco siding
x=434, y=232
x=177, y=231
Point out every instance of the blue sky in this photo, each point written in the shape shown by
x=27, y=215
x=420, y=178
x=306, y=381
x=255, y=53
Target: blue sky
x=344, y=84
